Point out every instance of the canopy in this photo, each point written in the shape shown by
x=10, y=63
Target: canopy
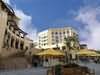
x=87, y=53
x=51, y=52
x=94, y=55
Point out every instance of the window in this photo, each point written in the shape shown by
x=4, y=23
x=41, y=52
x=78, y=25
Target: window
x=60, y=33
x=56, y=37
x=53, y=43
x=53, y=40
x=12, y=41
x=60, y=40
x=21, y=45
x=44, y=44
x=6, y=32
x=52, y=36
x=26, y=48
x=67, y=31
x=46, y=60
x=63, y=32
x=16, y=44
x=57, y=41
x=74, y=34
x=9, y=27
x=13, y=31
x=56, y=33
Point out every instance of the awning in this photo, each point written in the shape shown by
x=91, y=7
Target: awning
x=95, y=55
x=87, y=53
x=51, y=52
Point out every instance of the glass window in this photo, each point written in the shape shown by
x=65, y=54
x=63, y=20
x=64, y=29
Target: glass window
x=57, y=41
x=52, y=32
x=63, y=32
x=53, y=43
x=68, y=31
x=52, y=36
x=44, y=44
x=56, y=37
x=56, y=33
x=60, y=33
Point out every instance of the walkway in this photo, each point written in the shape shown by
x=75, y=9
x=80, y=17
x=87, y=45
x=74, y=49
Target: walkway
x=33, y=71
x=94, y=66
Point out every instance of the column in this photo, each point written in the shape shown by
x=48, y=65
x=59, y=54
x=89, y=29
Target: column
x=9, y=42
x=14, y=43
x=19, y=47
x=5, y=40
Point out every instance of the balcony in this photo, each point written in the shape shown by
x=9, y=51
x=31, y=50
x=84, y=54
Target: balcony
x=12, y=22
x=15, y=26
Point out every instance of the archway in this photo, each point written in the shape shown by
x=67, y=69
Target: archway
x=12, y=42
x=22, y=45
x=16, y=44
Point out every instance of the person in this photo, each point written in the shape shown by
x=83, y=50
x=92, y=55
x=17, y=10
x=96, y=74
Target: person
x=35, y=64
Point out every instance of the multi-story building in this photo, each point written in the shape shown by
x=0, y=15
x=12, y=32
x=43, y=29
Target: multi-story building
x=54, y=37
x=12, y=38
x=83, y=46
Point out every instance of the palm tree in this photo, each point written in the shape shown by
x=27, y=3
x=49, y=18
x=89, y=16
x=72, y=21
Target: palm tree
x=72, y=43
x=68, y=47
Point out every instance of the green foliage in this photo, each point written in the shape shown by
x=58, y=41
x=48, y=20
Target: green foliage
x=71, y=40
x=58, y=70
x=72, y=43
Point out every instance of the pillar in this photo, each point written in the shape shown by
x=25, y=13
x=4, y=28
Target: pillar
x=5, y=40
x=9, y=42
x=14, y=44
x=19, y=44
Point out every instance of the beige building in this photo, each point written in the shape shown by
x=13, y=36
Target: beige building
x=54, y=37
x=12, y=38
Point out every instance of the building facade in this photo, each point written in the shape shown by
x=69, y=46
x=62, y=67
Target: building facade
x=83, y=46
x=54, y=37
x=12, y=38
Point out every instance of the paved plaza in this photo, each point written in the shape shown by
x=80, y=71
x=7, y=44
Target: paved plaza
x=43, y=71
x=32, y=71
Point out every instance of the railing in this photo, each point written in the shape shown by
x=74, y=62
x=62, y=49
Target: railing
x=11, y=22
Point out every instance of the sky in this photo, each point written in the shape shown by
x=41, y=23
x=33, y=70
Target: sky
x=38, y=15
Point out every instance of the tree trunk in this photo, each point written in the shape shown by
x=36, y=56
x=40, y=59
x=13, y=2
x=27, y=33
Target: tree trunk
x=67, y=56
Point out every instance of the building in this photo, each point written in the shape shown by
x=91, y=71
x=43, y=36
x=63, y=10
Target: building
x=83, y=46
x=12, y=38
x=54, y=37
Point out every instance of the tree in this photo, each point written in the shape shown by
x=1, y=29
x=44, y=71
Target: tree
x=72, y=43
x=67, y=43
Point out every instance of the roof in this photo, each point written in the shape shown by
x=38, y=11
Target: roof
x=51, y=52
x=9, y=9
x=87, y=52
x=13, y=24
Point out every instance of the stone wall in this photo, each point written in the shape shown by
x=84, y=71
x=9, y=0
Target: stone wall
x=13, y=63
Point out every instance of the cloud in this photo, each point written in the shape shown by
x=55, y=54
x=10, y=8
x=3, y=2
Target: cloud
x=7, y=1
x=88, y=16
x=25, y=22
